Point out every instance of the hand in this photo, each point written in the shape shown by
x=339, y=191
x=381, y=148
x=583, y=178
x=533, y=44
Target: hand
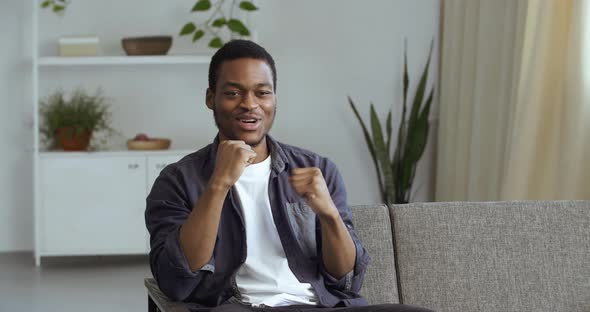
x=309, y=183
x=231, y=159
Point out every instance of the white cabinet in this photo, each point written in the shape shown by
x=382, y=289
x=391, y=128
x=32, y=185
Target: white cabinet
x=95, y=204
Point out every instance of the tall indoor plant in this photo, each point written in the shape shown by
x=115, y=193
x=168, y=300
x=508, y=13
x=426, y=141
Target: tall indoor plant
x=395, y=173
x=71, y=123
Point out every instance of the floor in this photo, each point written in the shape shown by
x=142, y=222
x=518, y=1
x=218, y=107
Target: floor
x=73, y=284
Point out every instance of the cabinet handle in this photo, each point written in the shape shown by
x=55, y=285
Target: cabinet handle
x=133, y=166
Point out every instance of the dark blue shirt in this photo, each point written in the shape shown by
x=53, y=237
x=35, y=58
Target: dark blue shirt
x=175, y=193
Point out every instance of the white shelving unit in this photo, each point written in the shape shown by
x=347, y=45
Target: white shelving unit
x=59, y=154
x=80, y=207
x=124, y=60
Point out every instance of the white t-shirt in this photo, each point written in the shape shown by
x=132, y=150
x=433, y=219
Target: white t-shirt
x=265, y=277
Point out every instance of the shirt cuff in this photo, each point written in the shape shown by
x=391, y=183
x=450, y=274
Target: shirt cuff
x=344, y=283
x=178, y=259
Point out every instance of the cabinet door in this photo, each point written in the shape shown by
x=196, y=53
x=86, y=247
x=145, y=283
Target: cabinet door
x=93, y=205
x=156, y=164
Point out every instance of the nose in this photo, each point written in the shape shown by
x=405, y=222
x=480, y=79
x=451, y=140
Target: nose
x=249, y=101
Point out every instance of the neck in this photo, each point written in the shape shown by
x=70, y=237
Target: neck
x=261, y=151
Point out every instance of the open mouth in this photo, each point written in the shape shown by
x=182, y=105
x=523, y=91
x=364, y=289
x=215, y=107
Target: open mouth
x=248, y=124
x=248, y=120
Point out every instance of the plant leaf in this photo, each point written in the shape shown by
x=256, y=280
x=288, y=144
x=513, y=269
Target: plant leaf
x=419, y=96
x=198, y=35
x=188, y=28
x=420, y=134
x=388, y=129
x=248, y=6
x=406, y=79
x=399, y=154
x=382, y=155
x=368, y=139
x=46, y=4
x=237, y=26
x=414, y=128
x=58, y=8
x=202, y=5
x=216, y=43
x=417, y=140
x=414, y=133
x=406, y=173
x=370, y=146
x=219, y=22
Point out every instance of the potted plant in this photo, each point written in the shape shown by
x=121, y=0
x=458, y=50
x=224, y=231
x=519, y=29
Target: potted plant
x=395, y=173
x=71, y=123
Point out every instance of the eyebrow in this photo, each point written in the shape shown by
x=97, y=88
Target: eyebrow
x=240, y=86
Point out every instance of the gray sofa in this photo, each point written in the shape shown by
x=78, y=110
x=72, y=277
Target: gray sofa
x=465, y=256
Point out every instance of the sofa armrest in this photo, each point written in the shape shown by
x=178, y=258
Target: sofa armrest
x=162, y=302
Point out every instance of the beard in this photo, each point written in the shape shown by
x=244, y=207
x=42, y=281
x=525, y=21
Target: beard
x=232, y=136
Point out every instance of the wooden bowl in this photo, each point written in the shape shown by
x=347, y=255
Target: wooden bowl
x=151, y=45
x=147, y=145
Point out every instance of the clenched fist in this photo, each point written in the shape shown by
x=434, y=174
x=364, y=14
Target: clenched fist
x=309, y=183
x=232, y=157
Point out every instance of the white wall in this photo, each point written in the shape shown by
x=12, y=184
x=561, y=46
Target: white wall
x=16, y=201
x=325, y=50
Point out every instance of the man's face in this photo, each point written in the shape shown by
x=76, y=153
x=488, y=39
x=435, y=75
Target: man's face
x=243, y=102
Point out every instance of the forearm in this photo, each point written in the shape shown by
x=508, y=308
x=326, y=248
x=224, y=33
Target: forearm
x=199, y=233
x=338, y=249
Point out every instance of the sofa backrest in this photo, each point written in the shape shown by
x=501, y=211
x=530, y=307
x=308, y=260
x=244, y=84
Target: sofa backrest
x=495, y=256
x=373, y=226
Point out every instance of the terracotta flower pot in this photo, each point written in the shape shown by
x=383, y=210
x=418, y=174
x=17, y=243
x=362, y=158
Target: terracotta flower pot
x=72, y=141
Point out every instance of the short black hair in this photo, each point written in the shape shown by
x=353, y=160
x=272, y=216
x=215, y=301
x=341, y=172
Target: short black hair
x=237, y=49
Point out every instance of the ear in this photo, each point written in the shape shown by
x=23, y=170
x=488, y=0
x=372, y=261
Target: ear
x=210, y=99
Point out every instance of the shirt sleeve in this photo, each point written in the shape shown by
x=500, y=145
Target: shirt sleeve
x=353, y=280
x=167, y=208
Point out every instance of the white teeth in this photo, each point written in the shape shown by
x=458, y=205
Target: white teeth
x=249, y=120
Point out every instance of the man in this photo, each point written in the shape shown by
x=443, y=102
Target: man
x=248, y=223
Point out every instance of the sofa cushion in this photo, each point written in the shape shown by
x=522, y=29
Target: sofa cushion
x=372, y=224
x=496, y=256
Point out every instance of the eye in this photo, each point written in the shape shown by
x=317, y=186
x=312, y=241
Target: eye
x=264, y=93
x=231, y=93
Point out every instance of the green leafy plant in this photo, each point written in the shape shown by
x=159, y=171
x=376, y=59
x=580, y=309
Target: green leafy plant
x=57, y=6
x=217, y=21
x=80, y=113
x=396, y=172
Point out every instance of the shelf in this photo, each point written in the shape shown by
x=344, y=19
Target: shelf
x=62, y=154
x=124, y=60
